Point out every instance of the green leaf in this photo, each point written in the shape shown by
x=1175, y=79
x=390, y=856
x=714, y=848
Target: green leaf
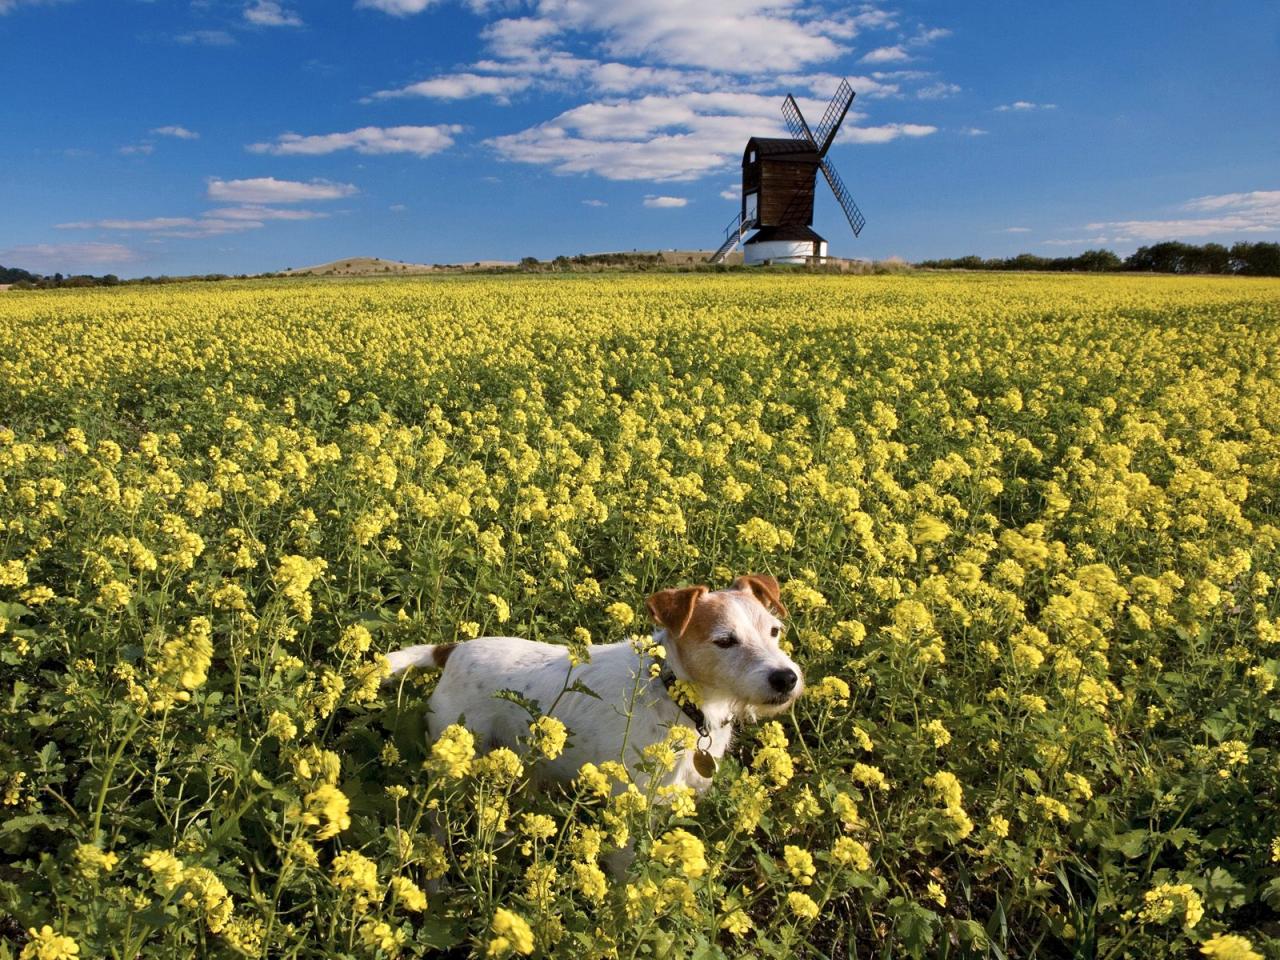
x=1271, y=894
x=579, y=687
x=1222, y=890
x=519, y=699
x=913, y=924
x=1131, y=844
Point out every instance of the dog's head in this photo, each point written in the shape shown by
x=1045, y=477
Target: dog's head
x=727, y=641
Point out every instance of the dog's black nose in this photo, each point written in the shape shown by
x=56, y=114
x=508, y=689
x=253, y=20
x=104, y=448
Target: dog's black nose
x=784, y=681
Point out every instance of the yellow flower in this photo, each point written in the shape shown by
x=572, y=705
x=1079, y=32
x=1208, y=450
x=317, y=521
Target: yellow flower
x=281, y=726
x=851, y=853
x=1229, y=946
x=114, y=595
x=591, y=779
x=800, y=862
x=210, y=895
x=548, y=735
x=45, y=944
x=500, y=765
x=681, y=847
x=620, y=613
x=831, y=690
x=736, y=922
x=936, y=893
x=940, y=735
x=357, y=875
x=165, y=868
x=681, y=798
x=452, y=754
x=380, y=935
x=511, y=934
x=869, y=776
x=408, y=894
x=326, y=809
x=927, y=530
x=93, y=862
x=501, y=610
x=590, y=881
x=802, y=905
x=1168, y=900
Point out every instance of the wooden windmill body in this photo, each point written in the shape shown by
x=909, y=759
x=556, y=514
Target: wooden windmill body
x=779, y=176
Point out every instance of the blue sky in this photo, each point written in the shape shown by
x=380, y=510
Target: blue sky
x=249, y=135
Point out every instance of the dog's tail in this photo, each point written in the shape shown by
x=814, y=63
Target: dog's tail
x=423, y=655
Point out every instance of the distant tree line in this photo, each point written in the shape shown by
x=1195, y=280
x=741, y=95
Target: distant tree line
x=1243, y=259
x=26, y=280
x=631, y=261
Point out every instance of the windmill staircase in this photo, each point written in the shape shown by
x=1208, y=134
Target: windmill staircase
x=732, y=237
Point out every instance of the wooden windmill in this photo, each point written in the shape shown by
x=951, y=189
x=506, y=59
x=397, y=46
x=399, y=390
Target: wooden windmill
x=779, y=176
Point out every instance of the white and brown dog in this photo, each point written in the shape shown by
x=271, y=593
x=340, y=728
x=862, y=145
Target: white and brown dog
x=725, y=642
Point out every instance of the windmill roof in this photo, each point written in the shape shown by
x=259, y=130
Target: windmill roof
x=785, y=231
x=782, y=147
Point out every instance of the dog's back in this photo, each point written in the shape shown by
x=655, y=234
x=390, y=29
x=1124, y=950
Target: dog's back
x=478, y=669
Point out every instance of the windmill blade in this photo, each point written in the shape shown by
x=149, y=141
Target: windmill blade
x=856, y=219
x=795, y=121
x=833, y=117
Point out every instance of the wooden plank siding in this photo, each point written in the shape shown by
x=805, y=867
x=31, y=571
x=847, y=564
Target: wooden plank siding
x=786, y=192
x=782, y=173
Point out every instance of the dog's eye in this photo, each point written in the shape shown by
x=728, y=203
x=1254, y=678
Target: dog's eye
x=775, y=631
x=725, y=642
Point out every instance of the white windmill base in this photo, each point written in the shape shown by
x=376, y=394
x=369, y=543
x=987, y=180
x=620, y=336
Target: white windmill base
x=783, y=251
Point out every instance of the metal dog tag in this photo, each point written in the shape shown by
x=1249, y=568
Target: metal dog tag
x=704, y=763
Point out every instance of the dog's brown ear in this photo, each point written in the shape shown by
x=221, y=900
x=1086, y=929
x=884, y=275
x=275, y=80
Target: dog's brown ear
x=674, y=608
x=764, y=588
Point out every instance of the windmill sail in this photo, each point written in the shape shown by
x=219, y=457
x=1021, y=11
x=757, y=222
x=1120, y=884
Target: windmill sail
x=795, y=120
x=833, y=117
x=856, y=219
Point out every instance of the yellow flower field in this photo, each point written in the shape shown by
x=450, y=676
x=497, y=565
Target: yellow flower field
x=1027, y=529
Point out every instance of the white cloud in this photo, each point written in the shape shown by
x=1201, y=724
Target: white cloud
x=212, y=223
x=460, y=86
x=1082, y=241
x=885, y=132
x=514, y=37
x=134, y=149
x=269, y=13
x=397, y=8
x=594, y=203
x=658, y=138
x=68, y=257
x=928, y=36
x=673, y=87
x=256, y=212
x=181, y=133
x=1024, y=106
x=208, y=38
x=421, y=141
x=893, y=54
x=1016, y=230
x=822, y=85
x=1155, y=230
x=397, y=208
x=732, y=193
x=7, y=6
x=725, y=35
x=1265, y=201
x=271, y=190
x=665, y=202
x=1254, y=212
x=938, y=91
x=155, y=223
x=974, y=131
